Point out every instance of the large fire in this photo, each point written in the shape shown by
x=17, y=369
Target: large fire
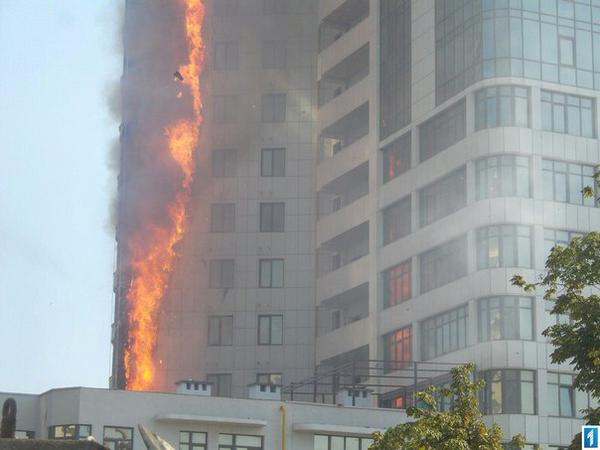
x=152, y=252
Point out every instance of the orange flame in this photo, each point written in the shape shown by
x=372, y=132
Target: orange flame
x=152, y=258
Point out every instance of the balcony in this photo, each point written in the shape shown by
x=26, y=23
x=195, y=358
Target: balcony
x=341, y=20
x=344, y=75
x=344, y=190
x=346, y=131
x=353, y=334
x=343, y=309
x=343, y=249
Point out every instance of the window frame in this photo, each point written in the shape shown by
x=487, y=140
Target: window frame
x=564, y=169
x=396, y=220
x=505, y=166
x=438, y=330
x=77, y=436
x=486, y=401
x=485, y=311
x=221, y=342
x=219, y=222
x=219, y=376
x=394, y=278
x=117, y=442
x=268, y=154
x=397, y=345
x=216, y=268
x=268, y=213
x=505, y=233
x=190, y=444
x=234, y=444
x=271, y=284
x=269, y=318
x=497, y=94
x=271, y=104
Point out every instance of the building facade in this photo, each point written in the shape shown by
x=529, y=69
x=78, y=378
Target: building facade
x=455, y=139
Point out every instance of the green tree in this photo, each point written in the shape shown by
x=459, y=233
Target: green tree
x=459, y=428
x=571, y=280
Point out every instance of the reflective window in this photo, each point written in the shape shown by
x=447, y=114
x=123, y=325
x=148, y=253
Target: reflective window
x=272, y=162
x=273, y=378
x=222, y=218
x=240, y=442
x=324, y=442
x=502, y=176
x=70, y=432
x=502, y=106
x=272, y=217
x=397, y=284
x=192, y=440
x=563, y=399
x=221, y=384
x=568, y=114
x=225, y=108
x=224, y=163
x=396, y=157
x=118, y=438
x=220, y=330
x=270, y=329
x=558, y=237
x=443, y=264
x=564, y=182
x=398, y=349
x=221, y=273
x=443, y=197
x=442, y=131
x=273, y=107
x=270, y=273
x=506, y=317
x=24, y=434
x=397, y=220
x=508, y=392
x=226, y=56
x=444, y=333
x=504, y=246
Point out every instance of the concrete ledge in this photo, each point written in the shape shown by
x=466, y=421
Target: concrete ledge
x=335, y=429
x=39, y=444
x=190, y=418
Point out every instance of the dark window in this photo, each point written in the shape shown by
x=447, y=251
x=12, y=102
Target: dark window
x=564, y=182
x=222, y=218
x=270, y=273
x=504, y=246
x=192, y=440
x=443, y=264
x=397, y=284
x=226, y=7
x=225, y=108
x=558, y=237
x=273, y=107
x=274, y=54
x=220, y=330
x=272, y=217
x=569, y=114
x=397, y=220
x=502, y=106
x=71, y=432
x=325, y=442
x=395, y=66
x=564, y=400
x=118, y=438
x=398, y=349
x=444, y=333
x=270, y=329
x=221, y=273
x=221, y=384
x=443, y=197
x=505, y=317
x=508, y=392
x=442, y=131
x=275, y=6
x=396, y=157
x=503, y=176
x=272, y=162
x=226, y=56
x=273, y=378
x=24, y=434
x=224, y=162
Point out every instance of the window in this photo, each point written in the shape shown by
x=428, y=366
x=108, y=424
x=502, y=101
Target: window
x=270, y=329
x=504, y=246
x=569, y=114
x=563, y=182
x=274, y=378
x=398, y=349
x=272, y=217
x=222, y=218
x=221, y=273
x=221, y=384
x=192, y=440
x=220, y=330
x=567, y=51
x=503, y=176
x=323, y=442
x=225, y=108
x=508, y=392
x=558, y=237
x=275, y=6
x=397, y=220
x=272, y=162
x=443, y=197
x=224, y=163
x=564, y=400
x=274, y=54
x=502, y=106
x=273, y=107
x=72, y=432
x=24, y=434
x=225, y=7
x=226, y=56
x=396, y=157
x=397, y=284
x=443, y=130
x=505, y=317
x=444, y=333
x=240, y=441
x=118, y=438
x=443, y=264
x=270, y=273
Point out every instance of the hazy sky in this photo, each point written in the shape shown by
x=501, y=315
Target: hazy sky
x=58, y=61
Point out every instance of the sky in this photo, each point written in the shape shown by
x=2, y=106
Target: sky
x=61, y=59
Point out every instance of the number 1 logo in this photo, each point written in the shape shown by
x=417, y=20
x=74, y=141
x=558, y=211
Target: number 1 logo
x=589, y=436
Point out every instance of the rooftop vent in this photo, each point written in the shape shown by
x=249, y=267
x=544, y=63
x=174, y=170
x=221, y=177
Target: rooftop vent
x=258, y=391
x=194, y=387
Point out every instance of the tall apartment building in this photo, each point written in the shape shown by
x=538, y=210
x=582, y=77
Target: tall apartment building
x=455, y=139
x=433, y=149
